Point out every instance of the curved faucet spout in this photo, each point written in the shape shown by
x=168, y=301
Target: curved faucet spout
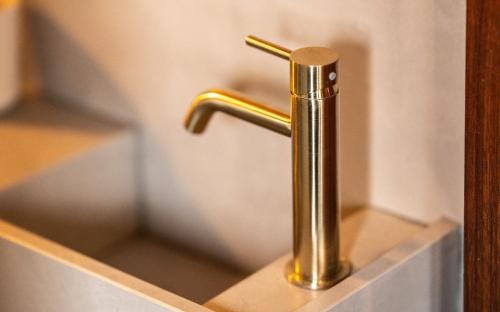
x=233, y=104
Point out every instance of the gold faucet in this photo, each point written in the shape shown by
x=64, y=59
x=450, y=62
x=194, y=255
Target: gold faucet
x=313, y=127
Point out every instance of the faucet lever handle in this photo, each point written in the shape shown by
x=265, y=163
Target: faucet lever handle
x=268, y=47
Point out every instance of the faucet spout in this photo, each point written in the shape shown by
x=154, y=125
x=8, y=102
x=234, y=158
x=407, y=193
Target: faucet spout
x=214, y=100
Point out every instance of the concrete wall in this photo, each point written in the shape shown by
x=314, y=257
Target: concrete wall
x=229, y=191
x=9, y=57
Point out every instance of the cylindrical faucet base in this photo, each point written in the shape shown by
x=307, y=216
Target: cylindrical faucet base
x=316, y=202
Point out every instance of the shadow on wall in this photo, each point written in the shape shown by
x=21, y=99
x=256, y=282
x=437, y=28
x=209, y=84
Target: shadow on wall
x=168, y=179
x=354, y=125
x=61, y=67
x=277, y=94
x=354, y=122
x=64, y=69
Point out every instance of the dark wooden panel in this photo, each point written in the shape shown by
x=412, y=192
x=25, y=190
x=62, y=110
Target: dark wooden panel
x=482, y=164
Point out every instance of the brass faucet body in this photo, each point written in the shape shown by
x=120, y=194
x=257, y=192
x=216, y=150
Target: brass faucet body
x=313, y=127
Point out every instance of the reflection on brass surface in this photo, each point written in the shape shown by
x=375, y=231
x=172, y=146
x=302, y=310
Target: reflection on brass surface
x=313, y=126
x=205, y=104
x=268, y=47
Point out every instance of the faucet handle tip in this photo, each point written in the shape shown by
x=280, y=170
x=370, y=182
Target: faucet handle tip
x=268, y=47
